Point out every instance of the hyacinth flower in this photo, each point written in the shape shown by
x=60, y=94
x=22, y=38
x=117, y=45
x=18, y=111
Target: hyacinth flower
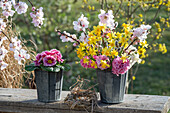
x=120, y=67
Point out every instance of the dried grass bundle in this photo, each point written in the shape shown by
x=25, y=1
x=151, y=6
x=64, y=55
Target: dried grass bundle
x=13, y=75
x=82, y=96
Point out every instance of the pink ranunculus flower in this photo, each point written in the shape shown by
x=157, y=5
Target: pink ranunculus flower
x=120, y=67
x=49, y=60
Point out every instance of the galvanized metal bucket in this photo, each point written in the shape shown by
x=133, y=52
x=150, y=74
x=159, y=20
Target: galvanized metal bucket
x=49, y=85
x=111, y=86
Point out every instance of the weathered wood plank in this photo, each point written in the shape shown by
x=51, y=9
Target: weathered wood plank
x=25, y=100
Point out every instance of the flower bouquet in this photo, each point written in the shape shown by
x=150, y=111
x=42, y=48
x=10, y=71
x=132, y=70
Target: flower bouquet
x=48, y=67
x=111, y=52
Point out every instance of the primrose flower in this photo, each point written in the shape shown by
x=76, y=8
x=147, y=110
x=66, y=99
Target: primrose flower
x=120, y=67
x=86, y=62
x=49, y=61
x=2, y=24
x=38, y=60
x=81, y=24
x=37, y=17
x=57, y=55
x=37, y=63
x=21, y=7
x=102, y=61
x=39, y=57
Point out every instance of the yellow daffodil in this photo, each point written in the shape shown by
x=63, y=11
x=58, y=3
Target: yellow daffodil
x=106, y=51
x=141, y=51
x=114, y=53
x=124, y=57
x=93, y=64
x=112, y=43
x=144, y=44
x=104, y=64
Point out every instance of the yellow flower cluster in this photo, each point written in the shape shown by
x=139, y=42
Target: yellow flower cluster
x=107, y=41
x=162, y=48
x=136, y=19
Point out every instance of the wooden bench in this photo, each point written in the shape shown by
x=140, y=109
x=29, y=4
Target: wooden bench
x=25, y=101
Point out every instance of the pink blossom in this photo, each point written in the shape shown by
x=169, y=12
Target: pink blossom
x=21, y=7
x=75, y=44
x=120, y=67
x=107, y=19
x=141, y=32
x=84, y=38
x=49, y=61
x=21, y=55
x=81, y=24
x=37, y=17
x=33, y=8
x=6, y=7
x=2, y=24
x=66, y=38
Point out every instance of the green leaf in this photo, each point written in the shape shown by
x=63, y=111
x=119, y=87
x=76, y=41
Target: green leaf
x=67, y=67
x=60, y=66
x=46, y=68
x=56, y=69
x=30, y=67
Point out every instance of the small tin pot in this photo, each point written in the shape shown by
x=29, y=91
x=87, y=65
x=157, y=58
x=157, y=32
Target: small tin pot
x=111, y=86
x=49, y=85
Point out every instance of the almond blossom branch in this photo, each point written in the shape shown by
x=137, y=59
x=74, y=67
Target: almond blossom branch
x=31, y=3
x=6, y=36
x=129, y=45
x=155, y=15
x=68, y=36
x=118, y=8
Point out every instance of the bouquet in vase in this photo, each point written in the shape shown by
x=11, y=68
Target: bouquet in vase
x=104, y=47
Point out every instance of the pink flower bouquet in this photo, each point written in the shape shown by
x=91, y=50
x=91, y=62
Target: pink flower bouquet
x=48, y=61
